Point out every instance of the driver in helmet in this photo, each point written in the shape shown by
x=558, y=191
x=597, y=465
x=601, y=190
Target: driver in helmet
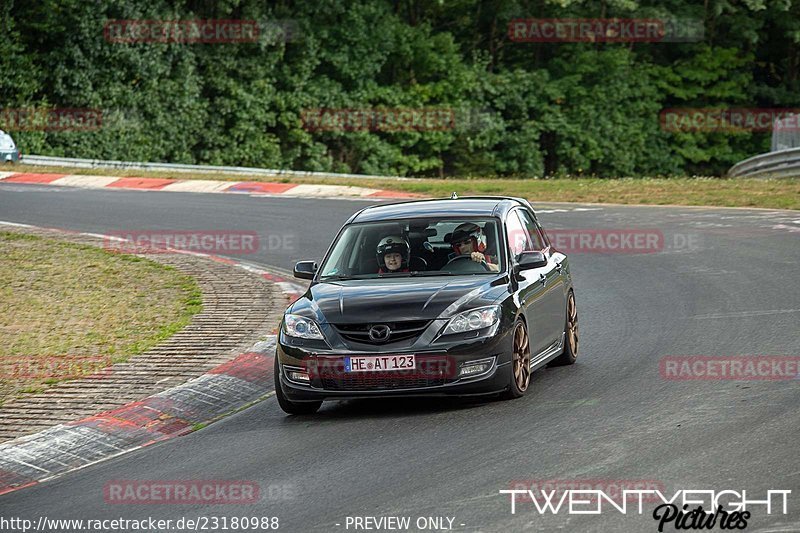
x=469, y=239
x=392, y=254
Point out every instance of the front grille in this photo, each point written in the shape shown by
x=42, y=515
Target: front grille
x=364, y=381
x=408, y=329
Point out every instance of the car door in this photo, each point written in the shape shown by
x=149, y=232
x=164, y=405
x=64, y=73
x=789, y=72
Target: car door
x=531, y=289
x=554, y=302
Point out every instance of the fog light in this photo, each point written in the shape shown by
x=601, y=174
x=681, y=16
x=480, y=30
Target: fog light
x=300, y=377
x=474, y=368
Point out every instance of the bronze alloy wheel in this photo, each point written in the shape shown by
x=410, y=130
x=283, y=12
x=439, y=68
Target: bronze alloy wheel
x=522, y=358
x=572, y=325
x=570, y=353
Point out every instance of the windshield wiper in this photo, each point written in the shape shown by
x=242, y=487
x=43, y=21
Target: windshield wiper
x=391, y=275
x=340, y=277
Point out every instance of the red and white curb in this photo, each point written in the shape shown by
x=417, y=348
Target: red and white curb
x=202, y=186
x=248, y=378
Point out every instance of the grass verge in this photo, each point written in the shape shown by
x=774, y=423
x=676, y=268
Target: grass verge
x=68, y=310
x=722, y=192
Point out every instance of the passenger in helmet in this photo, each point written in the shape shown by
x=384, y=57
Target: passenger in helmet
x=469, y=239
x=392, y=254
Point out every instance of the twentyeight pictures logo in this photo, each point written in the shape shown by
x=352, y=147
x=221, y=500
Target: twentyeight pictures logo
x=683, y=509
x=614, y=488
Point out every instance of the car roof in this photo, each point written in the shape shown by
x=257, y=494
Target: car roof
x=468, y=206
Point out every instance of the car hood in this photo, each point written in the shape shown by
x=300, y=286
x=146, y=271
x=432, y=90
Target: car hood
x=390, y=300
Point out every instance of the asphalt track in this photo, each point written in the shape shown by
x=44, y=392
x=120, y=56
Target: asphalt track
x=726, y=283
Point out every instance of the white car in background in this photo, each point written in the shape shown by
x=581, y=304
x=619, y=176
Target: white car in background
x=8, y=150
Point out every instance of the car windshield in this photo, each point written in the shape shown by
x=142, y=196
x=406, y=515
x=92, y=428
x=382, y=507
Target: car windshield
x=415, y=247
x=6, y=143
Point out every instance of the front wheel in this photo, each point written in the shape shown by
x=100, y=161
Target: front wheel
x=289, y=407
x=520, y=363
x=570, y=353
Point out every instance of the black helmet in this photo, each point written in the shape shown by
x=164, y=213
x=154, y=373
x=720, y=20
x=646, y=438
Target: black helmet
x=472, y=231
x=393, y=244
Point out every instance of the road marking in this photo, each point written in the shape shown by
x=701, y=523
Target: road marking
x=105, y=237
x=746, y=314
x=4, y=223
x=567, y=209
x=200, y=186
x=141, y=183
x=330, y=190
x=791, y=229
x=88, y=182
x=256, y=187
x=205, y=186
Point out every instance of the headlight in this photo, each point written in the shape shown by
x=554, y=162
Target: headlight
x=472, y=320
x=304, y=328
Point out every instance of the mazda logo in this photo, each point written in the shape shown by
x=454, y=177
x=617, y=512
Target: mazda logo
x=379, y=333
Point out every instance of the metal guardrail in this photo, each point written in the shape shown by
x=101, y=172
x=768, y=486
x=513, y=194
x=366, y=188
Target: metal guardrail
x=780, y=164
x=206, y=169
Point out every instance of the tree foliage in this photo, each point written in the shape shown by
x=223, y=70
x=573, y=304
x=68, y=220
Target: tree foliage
x=520, y=109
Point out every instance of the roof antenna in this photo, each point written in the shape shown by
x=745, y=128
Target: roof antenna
x=454, y=196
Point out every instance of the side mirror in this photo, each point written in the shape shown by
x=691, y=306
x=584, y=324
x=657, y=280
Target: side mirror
x=529, y=260
x=305, y=269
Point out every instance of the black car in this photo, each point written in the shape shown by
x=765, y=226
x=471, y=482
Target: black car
x=462, y=297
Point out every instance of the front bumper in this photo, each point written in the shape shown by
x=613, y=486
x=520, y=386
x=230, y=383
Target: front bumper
x=9, y=156
x=336, y=385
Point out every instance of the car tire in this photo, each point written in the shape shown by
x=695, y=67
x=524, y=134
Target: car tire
x=520, y=362
x=570, y=353
x=289, y=407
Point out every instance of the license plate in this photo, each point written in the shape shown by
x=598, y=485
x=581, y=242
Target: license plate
x=379, y=363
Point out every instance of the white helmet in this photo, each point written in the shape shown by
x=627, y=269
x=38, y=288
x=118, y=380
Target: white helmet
x=393, y=244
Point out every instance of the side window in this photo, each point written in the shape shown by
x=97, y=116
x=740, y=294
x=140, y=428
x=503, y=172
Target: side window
x=534, y=234
x=545, y=237
x=518, y=240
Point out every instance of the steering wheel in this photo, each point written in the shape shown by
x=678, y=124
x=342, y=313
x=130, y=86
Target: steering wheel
x=467, y=257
